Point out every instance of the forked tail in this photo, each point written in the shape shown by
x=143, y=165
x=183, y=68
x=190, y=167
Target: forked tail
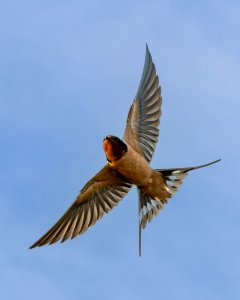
x=148, y=207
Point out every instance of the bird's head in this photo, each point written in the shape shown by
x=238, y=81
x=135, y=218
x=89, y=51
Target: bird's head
x=114, y=148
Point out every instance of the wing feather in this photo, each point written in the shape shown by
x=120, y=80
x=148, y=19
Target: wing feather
x=143, y=118
x=100, y=195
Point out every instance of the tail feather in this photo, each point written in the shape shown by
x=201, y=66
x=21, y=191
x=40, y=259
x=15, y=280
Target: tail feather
x=185, y=170
x=148, y=207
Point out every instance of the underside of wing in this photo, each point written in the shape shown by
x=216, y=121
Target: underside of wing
x=100, y=195
x=143, y=118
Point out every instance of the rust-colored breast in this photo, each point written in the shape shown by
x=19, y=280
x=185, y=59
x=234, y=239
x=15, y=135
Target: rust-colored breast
x=112, y=150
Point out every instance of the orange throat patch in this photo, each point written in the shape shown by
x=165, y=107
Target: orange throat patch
x=112, y=150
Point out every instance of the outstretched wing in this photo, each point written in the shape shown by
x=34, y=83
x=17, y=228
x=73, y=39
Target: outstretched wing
x=143, y=118
x=97, y=198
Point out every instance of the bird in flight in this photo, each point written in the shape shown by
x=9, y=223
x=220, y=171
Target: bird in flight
x=127, y=165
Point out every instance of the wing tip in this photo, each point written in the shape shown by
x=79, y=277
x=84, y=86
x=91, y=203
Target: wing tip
x=34, y=246
x=147, y=48
x=148, y=54
x=40, y=244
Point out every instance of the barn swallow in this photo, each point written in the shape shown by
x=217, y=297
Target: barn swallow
x=127, y=165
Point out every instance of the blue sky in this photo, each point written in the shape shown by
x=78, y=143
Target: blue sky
x=68, y=73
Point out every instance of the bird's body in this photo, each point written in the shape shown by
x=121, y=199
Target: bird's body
x=127, y=165
x=133, y=167
x=137, y=171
